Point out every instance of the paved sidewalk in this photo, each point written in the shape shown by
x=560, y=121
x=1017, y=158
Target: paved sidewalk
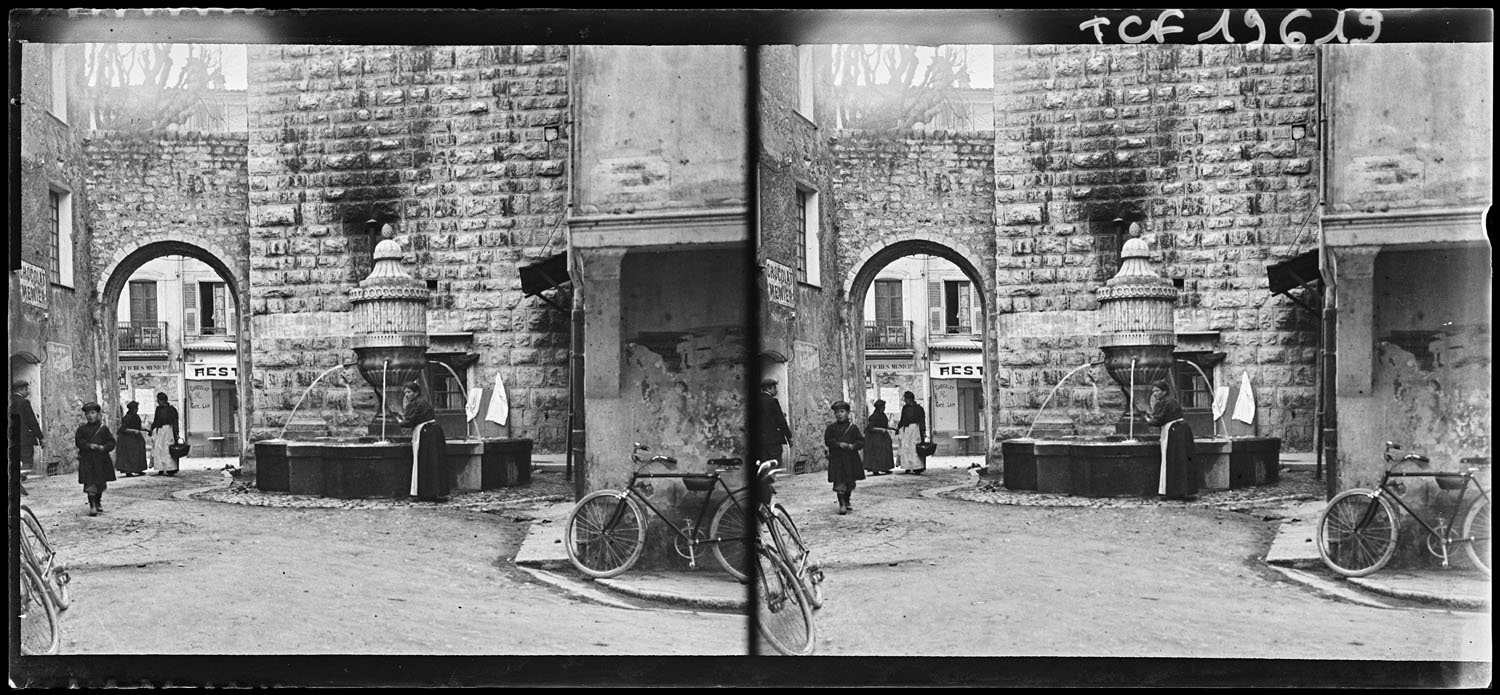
x=543, y=554
x=1294, y=552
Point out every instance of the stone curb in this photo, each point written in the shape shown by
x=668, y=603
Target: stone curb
x=1328, y=587
x=1376, y=586
x=574, y=587
x=714, y=603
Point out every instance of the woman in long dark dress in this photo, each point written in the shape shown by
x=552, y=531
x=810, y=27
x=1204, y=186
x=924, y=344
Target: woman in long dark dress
x=130, y=451
x=879, y=458
x=1177, y=479
x=844, y=467
x=94, y=442
x=429, y=467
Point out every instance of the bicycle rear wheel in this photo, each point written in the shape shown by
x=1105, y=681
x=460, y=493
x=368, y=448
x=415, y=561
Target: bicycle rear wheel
x=605, y=534
x=782, y=610
x=1357, y=533
x=731, y=526
x=1477, y=530
x=54, y=578
x=36, y=536
x=40, y=635
x=788, y=540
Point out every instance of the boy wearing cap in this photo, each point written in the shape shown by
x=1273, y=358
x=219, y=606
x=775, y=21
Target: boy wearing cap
x=25, y=431
x=845, y=468
x=95, y=470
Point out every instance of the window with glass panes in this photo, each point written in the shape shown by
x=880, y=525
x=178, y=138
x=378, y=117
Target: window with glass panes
x=54, y=261
x=1193, y=390
x=447, y=391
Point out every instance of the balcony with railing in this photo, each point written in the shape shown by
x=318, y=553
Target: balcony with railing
x=209, y=331
x=142, y=335
x=888, y=335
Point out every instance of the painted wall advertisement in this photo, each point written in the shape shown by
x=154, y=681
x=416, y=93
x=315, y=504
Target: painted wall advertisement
x=33, y=282
x=780, y=282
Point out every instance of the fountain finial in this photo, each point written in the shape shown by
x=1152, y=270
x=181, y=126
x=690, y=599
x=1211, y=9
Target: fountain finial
x=1137, y=335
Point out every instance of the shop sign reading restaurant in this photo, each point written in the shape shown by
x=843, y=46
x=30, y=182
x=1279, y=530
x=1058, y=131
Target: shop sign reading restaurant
x=200, y=371
x=941, y=370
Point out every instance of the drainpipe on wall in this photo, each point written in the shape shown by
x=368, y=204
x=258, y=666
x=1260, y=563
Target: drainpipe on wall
x=1327, y=420
x=575, y=439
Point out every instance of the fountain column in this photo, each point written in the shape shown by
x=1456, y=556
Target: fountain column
x=1136, y=330
x=390, y=330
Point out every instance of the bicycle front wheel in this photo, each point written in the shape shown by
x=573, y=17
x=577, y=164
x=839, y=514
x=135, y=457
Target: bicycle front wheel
x=789, y=541
x=34, y=535
x=1477, y=531
x=605, y=534
x=39, y=631
x=782, y=610
x=1357, y=533
x=733, y=534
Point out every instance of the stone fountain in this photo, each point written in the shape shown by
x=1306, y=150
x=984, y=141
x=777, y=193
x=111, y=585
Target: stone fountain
x=1137, y=338
x=390, y=343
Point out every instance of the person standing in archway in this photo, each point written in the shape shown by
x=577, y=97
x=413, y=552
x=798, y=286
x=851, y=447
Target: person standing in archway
x=879, y=456
x=164, y=435
x=913, y=429
x=130, y=455
x=94, y=441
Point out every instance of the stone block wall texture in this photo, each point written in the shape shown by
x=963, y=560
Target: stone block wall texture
x=795, y=150
x=63, y=334
x=446, y=143
x=1196, y=144
x=168, y=187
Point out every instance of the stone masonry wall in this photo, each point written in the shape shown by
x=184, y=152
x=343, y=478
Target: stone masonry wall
x=446, y=143
x=1196, y=144
x=155, y=187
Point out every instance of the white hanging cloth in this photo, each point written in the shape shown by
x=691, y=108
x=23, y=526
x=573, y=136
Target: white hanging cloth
x=499, y=410
x=471, y=408
x=1244, y=405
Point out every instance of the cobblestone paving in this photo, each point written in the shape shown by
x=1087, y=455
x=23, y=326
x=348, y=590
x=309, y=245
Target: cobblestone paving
x=545, y=487
x=1293, y=486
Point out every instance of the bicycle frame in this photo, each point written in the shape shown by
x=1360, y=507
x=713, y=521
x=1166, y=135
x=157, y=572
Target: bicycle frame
x=681, y=531
x=1458, y=505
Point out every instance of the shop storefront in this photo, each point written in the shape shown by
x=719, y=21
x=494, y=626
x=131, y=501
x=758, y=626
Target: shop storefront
x=211, y=404
x=956, y=406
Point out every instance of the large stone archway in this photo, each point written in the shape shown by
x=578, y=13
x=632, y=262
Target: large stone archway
x=878, y=254
x=116, y=276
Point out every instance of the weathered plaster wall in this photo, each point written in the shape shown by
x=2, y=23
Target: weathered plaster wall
x=1197, y=144
x=641, y=138
x=1432, y=365
x=65, y=334
x=1394, y=154
x=450, y=145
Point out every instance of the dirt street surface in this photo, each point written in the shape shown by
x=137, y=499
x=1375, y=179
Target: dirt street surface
x=934, y=575
x=164, y=572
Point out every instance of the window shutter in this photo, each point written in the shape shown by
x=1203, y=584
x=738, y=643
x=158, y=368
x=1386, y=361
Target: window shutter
x=935, y=307
x=190, y=308
x=229, y=325
x=977, y=311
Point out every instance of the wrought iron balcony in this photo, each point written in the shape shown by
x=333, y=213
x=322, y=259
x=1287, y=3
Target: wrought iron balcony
x=142, y=335
x=223, y=329
x=888, y=335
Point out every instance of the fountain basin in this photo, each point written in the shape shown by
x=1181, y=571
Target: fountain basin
x=363, y=467
x=1114, y=467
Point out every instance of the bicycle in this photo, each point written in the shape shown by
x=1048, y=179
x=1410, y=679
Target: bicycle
x=1358, y=529
x=783, y=611
x=38, y=609
x=788, y=540
x=38, y=551
x=606, y=530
